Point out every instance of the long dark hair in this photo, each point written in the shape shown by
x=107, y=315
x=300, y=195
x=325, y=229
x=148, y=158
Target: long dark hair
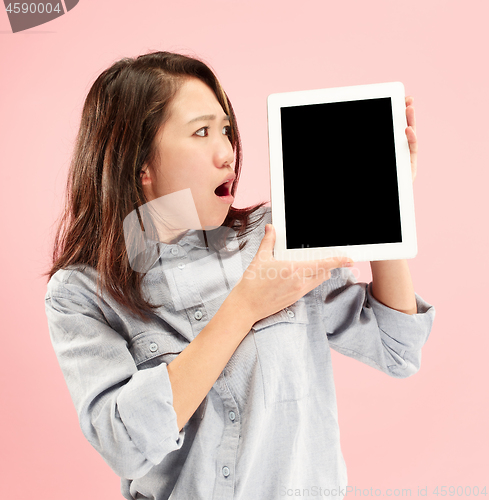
x=121, y=116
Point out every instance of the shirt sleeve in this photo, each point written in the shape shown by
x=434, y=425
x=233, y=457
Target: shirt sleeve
x=126, y=414
x=361, y=327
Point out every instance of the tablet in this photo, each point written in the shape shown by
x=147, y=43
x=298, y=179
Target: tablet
x=340, y=174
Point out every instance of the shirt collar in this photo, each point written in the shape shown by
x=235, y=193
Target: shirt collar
x=156, y=249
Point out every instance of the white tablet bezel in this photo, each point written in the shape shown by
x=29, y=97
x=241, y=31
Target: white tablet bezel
x=359, y=253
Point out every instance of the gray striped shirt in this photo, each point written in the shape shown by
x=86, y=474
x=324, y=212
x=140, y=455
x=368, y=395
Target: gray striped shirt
x=269, y=424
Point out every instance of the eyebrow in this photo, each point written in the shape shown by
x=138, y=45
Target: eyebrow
x=205, y=118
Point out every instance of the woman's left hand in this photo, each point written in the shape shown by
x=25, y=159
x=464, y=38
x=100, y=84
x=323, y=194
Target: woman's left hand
x=411, y=134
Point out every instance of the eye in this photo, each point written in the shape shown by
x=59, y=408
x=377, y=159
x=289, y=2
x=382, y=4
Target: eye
x=202, y=132
x=228, y=132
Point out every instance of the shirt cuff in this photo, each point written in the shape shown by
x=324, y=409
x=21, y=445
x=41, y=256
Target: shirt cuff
x=403, y=335
x=145, y=407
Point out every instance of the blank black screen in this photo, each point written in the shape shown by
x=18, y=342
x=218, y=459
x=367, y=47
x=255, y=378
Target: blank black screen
x=340, y=179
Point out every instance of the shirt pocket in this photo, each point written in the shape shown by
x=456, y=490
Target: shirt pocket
x=151, y=348
x=284, y=353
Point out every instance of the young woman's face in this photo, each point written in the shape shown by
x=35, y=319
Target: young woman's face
x=194, y=152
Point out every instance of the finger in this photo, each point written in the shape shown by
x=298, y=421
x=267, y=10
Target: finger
x=265, y=250
x=409, y=100
x=315, y=267
x=413, y=149
x=412, y=140
x=411, y=117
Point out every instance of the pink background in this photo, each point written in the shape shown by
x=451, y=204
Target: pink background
x=426, y=431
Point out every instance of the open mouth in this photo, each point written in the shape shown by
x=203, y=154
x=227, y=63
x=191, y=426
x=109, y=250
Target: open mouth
x=223, y=189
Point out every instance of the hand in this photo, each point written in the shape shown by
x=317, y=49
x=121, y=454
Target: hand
x=269, y=285
x=411, y=135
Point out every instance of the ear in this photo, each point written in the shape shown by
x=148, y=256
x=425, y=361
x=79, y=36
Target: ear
x=145, y=175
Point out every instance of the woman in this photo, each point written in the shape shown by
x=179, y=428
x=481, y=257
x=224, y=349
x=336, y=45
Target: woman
x=200, y=366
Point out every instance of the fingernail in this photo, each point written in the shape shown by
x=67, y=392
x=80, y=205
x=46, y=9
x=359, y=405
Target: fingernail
x=348, y=263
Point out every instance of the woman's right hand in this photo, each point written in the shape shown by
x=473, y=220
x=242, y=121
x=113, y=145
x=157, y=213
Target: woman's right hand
x=269, y=285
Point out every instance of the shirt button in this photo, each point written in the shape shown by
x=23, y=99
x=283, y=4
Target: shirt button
x=153, y=347
x=290, y=314
x=174, y=251
x=198, y=315
x=181, y=266
x=225, y=471
x=232, y=415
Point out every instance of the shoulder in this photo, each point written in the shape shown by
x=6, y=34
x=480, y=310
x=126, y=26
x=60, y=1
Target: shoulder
x=256, y=223
x=78, y=281
x=74, y=296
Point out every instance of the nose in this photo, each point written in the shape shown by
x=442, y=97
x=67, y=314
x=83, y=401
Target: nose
x=224, y=152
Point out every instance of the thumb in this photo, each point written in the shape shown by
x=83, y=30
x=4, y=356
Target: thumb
x=267, y=243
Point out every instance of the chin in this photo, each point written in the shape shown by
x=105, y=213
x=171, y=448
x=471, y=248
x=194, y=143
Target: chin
x=214, y=222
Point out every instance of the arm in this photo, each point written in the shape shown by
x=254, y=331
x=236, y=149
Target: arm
x=267, y=287
x=392, y=285
x=363, y=328
x=125, y=414
x=391, y=280
x=193, y=372
x=383, y=324
x=135, y=417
